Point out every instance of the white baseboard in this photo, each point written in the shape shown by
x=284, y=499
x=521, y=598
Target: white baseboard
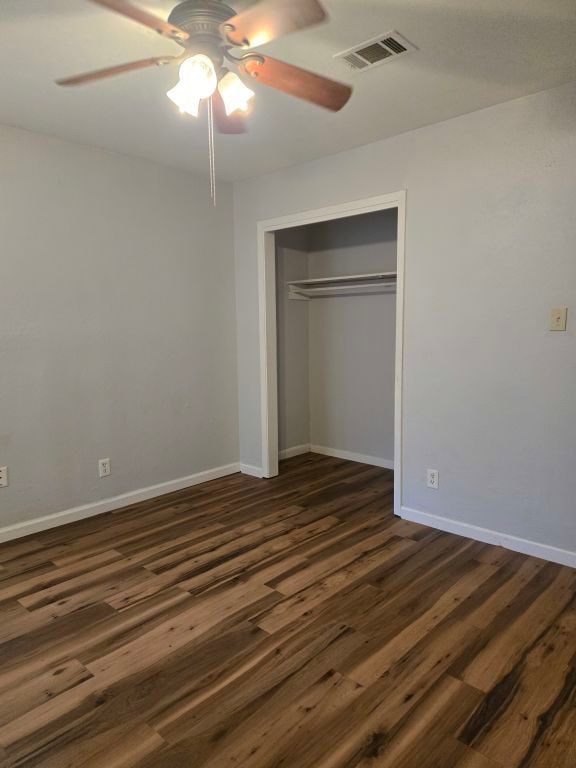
x=488, y=536
x=296, y=450
x=360, y=457
x=248, y=469
x=37, y=524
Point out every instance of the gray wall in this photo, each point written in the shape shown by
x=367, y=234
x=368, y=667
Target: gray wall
x=352, y=339
x=292, y=337
x=489, y=393
x=116, y=325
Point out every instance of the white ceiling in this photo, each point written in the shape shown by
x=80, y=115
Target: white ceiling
x=472, y=54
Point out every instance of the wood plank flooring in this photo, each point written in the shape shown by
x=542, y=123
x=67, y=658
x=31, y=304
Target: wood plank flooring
x=293, y=623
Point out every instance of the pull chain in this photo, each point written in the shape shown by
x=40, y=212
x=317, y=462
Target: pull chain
x=211, y=152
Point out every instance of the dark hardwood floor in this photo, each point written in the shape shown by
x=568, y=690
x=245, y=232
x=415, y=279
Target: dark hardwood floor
x=292, y=623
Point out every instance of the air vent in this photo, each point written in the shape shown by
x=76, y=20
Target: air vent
x=386, y=47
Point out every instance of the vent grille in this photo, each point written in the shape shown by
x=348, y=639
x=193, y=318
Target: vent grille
x=371, y=53
x=374, y=53
x=355, y=61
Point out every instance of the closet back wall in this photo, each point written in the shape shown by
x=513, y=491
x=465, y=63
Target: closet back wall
x=336, y=355
x=352, y=340
x=116, y=325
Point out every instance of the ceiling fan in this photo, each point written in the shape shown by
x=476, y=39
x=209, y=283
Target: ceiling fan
x=208, y=31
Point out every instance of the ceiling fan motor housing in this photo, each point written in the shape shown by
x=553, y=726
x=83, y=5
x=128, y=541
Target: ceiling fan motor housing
x=202, y=20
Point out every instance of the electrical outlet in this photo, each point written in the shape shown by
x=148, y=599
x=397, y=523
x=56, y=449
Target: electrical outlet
x=432, y=479
x=559, y=319
x=3, y=477
x=104, y=467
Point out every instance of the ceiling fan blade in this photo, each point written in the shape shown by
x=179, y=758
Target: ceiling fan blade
x=233, y=123
x=119, y=69
x=271, y=19
x=309, y=86
x=143, y=17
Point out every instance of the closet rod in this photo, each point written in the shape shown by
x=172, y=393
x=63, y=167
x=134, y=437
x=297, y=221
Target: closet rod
x=366, y=277
x=341, y=290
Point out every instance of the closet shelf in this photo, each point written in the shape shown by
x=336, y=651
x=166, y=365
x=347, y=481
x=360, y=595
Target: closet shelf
x=342, y=285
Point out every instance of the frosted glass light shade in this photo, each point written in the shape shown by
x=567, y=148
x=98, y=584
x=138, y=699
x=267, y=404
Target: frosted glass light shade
x=198, y=81
x=184, y=100
x=235, y=94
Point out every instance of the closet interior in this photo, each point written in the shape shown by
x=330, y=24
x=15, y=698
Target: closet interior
x=336, y=337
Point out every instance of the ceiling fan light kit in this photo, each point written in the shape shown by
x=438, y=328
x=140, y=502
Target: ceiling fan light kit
x=208, y=30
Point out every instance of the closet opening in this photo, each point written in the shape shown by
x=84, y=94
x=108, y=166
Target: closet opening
x=331, y=317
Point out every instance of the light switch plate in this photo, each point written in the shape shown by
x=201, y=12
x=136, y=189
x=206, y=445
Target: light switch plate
x=559, y=319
